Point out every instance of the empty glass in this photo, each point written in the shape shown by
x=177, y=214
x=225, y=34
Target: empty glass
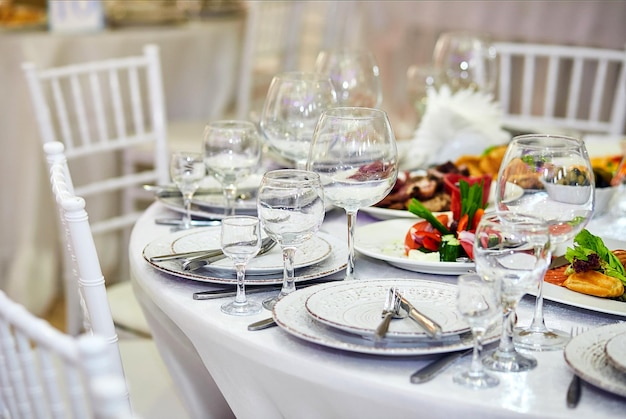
x=513, y=249
x=477, y=301
x=421, y=79
x=354, y=151
x=355, y=75
x=232, y=151
x=187, y=170
x=290, y=204
x=240, y=241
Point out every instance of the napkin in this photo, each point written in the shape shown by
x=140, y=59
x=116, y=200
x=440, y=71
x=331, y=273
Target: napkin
x=454, y=124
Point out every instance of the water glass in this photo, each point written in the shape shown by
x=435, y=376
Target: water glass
x=187, y=171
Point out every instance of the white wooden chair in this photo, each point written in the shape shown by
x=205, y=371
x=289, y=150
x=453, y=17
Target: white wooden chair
x=107, y=113
x=45, y=373
x=562, y=87
x=138, y=358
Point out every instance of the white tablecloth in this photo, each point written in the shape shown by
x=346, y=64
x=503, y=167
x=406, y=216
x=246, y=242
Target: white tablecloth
x=199, y=65
x=270, y=374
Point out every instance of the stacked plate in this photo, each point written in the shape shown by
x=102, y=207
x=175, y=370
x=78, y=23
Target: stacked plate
x=599, y=357
x=345, y=315
x=321, y=256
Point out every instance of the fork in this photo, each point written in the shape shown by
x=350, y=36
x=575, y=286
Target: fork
x=574, y=389
x=391, y=310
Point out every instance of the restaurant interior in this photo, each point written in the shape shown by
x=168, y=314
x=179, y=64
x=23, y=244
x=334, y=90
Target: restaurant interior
x=208, y=61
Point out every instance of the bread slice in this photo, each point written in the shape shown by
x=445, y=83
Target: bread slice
x=594, y=283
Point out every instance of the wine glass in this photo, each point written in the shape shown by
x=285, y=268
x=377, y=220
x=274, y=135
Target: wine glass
x=513, y=249
x=548, y=176
x=187, y=170
x=421, y=79
x=355, y=75
x=477, y=301
x=467, y=61
x=240, y=240
x=354, y=151
x=290, y=204
x=232, y=151
x=293, y=105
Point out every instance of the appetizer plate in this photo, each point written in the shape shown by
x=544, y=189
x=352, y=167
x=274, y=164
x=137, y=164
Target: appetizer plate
x=384, y=240
x=586, y=355
x=615, y=350
x=291, y=316
x=329, y=252
x=356, y=307
x=566, y=296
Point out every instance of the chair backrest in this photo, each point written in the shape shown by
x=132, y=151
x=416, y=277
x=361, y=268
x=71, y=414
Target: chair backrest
x=45, y=373
x=103, y=111
x=559, y=86
x=82, y=255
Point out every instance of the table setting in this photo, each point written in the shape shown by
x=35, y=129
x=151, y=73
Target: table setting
x=375, y=313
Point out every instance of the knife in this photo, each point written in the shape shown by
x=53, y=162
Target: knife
x=262, y=324
x=210, y=295
x=428, y=372
x=432, y=328
x=178, y=222
x=183, y=255
x=558, y=261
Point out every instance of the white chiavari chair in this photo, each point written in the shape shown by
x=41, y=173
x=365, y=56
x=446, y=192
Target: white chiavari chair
x=563, y=87
x=138, y=359
x=45, y=373
x=107, y=113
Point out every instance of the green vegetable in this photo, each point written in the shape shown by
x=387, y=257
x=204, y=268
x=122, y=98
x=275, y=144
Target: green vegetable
x=587, y=244
x=417, y=208
x=449, y=249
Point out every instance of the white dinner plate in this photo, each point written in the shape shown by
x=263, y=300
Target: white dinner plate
x=586, y=355
x=291, y=316
x=356, y=307
x=213, y=205
x=615, y=350
x=333, y=262
x=384, y=240
x=564, y=295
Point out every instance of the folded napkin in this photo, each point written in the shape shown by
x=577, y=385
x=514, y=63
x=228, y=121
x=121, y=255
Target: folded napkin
x=454, y=124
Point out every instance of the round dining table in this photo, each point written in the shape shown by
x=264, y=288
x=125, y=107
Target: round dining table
x=224, y=370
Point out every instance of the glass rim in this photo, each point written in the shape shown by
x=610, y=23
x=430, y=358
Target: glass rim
x=354, y=112
x=230, y=124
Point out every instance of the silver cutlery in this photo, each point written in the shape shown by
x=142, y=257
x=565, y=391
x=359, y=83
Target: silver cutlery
x=391, y=310
x=574, y=389
x=213, y=294
x=167, y=191
x=428, y=372
x=177, y=222
x=193, y=263
x=262, y=324
x=430, y=326
x=184, y=255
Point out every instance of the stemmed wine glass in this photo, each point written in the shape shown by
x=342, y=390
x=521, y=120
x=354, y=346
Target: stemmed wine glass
x=240, y=241
x=467, y=61
x=290, y=204
x=515, y=250
x=354, y=151
x=293, y=105
x=548, y=176
x=187, y=170
x=232, y=151
x=477, y=301
x=355, y=75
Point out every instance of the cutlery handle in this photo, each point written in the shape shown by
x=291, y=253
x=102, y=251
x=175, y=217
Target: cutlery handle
x=262, y=324
x=210, y=295
x=573, y=392
x=382, y=328
x=176, y=222
x=431, y=327
x=184, y=255
x=428, y=372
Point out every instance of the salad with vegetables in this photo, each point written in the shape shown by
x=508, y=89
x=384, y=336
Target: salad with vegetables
x=451, y=237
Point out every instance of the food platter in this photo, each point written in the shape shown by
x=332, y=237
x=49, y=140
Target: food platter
x=384, y=240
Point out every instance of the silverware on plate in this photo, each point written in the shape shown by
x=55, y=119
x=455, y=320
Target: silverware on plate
x=184, y=255
x=177, y=222
x=429, y=325
x=391, y=310
x=196, y=262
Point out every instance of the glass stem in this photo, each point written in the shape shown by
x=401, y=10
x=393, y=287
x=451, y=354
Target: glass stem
x=351, y=224
x=538, y=323
x=240, y=298
x=187, y=202
x=476, y=367
x=506, y=339
x=288, y=272
x=230, y=192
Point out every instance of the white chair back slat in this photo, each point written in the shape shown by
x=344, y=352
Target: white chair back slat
x=584, y=89
x=48, y=374
x=549, y=101
x=135, y=100
x=61, y=114
x=116, y=101
x=97, y=103
x=157, y=113
x=79, y=106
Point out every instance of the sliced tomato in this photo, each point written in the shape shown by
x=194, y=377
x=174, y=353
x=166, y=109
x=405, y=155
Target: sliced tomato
x=467, y=242
x=422, y=235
